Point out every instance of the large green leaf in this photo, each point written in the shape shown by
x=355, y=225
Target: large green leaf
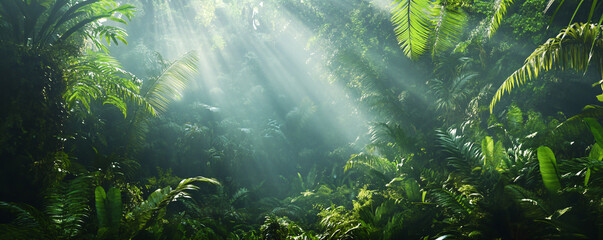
x=595, y=129
x=101, y=206
x=412, y=189
x=488, y=151
x=115, y=207
x=108, y=208
x=548, y=169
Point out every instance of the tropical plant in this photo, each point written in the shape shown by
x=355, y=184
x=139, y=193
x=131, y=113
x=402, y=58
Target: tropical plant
x=65, y=216
x=116, y=223
x=436, y=25
x=575, y=47
x=41, y=23
x=108, y=211
x=423, y=25
x=451, y=94
x=158, y=92
x=99, y=77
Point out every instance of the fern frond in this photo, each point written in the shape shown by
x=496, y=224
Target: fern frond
x=68, y=207
x=570, y=49
x=530, y=204
x=383, y=133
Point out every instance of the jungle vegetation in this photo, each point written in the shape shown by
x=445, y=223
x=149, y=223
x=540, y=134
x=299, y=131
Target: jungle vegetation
x=301, y=119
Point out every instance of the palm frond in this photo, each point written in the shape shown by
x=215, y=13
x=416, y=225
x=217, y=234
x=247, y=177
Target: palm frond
x=458, y=204
x=500, y=9
x=413, y=25
x=168, y=87
x=384, y=133
x=449, y=24
x=371, y=163
x=532, y=206
x=570, y=49
x=575, y=125
x=462, y=155
x=451, y=93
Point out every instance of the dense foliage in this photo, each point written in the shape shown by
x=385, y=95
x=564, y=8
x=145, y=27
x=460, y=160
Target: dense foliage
x=250, y=119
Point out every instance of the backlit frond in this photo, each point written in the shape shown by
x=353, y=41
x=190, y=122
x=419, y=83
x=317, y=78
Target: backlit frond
x=163, y=90
x=570, y=49
x=449, y=23
x=413, y=25
x=500, y=9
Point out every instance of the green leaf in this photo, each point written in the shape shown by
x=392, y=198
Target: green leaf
x=548, y=169
x=587, y=177
x=448, y=26
x=500, y=155
x=488, y=151
x=596, y=153
x=108, y=208
x=101, y=206
x=115, y=206
x=595, y=129
x=412, y=189
x=168, y=87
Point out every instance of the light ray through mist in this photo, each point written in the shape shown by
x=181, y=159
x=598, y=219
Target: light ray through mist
x=268, y=78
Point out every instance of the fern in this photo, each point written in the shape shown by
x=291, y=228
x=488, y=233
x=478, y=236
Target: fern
x=97, y=77
x=44, y=23
x=373, y=166
x=340, y=224
x=68, y=207
x=575, y=125
x=531, y=206
x=64, y=217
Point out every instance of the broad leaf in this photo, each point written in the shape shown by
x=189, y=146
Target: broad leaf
x=548, y=169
